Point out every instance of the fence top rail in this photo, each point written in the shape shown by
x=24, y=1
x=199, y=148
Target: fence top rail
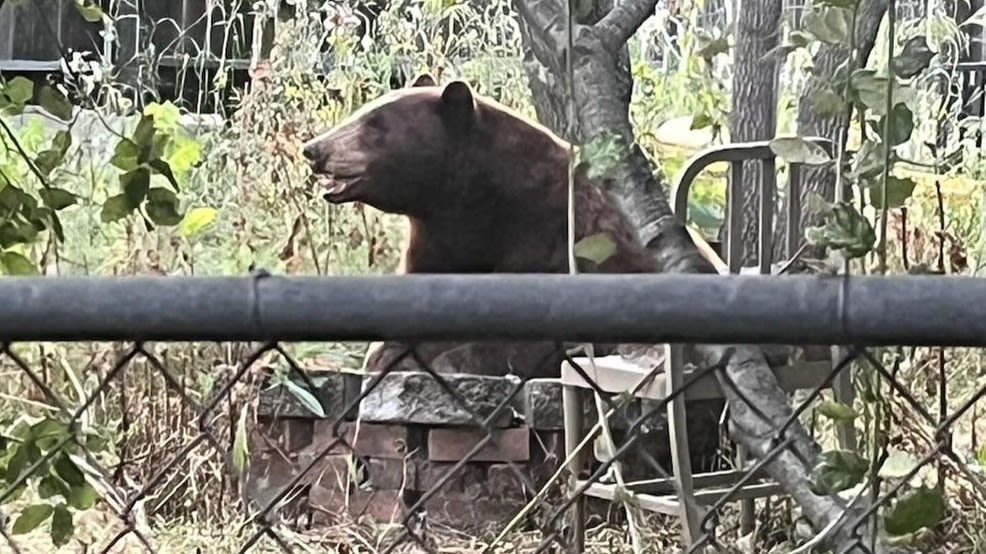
x=797, y=309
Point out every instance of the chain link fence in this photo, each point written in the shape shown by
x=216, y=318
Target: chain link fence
x=910, y=477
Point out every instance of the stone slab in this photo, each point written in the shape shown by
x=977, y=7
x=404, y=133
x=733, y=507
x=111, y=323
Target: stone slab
x=417, y=398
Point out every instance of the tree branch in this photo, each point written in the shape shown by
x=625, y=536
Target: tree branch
x=545, y=29
x=759, y=408
x=616, y=28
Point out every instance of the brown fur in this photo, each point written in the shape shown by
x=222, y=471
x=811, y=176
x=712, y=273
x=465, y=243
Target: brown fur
x=484, y=190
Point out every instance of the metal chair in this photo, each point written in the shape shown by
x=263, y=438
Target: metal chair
x=614, y=375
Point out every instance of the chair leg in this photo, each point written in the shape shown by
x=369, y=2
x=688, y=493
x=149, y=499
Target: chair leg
x=680, y=455
x=843, y=391
x=573, y=402
x=747, y=507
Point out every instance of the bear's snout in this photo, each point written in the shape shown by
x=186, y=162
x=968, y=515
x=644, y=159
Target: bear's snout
x=310, y=151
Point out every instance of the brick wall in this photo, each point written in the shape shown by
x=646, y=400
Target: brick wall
x=407, y=437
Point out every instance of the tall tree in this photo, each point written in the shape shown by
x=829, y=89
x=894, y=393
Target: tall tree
x=599, y=91
x=753, y=115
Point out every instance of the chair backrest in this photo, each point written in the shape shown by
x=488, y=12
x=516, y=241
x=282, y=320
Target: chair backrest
x=736, y=154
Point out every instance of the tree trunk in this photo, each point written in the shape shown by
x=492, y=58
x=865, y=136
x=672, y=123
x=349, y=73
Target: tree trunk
x=753, y=114
x=601, y=83
x=821, y=180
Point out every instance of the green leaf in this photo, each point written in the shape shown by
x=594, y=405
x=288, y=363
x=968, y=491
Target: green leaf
x=136, y=184
x=829, y=25
x=19, y=90
x=869, y=161
x=144, y=133
x=603, y=154
x=901, y=125
x=836, y=411
x=89, y=11
x=162, y=207
x=11, y=197
x=305, y=397
x=57, y=199
x=870, y=91
x=48, y=160
x=31, y=517
x=82, y=497
x=95, y=443
x=798, y=150
x=125, y=155
x=61, y=141
x=241, y=448
x=160, y=166
x=62, y=527
x=898, y=191
x=17, y=264
x=826, y=102
x=596, y=248
x=55, y=103
x=844, y=229
x=701, y=121
x=68, y=471
x=195, y=220
x=115, y=208
x=166, y=116
x=52, y=486
x=187, y=152
x=837, y=470
x=924, y=507
x=915, y=56
x=48, y=428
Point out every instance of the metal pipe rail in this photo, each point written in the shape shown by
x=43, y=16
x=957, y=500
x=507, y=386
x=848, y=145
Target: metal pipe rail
x=865, y=311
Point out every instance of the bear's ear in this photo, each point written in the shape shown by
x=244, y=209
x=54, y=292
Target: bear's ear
x=457, y=103
x=424, y=80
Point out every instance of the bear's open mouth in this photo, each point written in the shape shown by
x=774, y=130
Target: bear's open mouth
x=337, y=188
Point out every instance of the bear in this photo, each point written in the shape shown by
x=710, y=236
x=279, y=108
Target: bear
x=483, y=189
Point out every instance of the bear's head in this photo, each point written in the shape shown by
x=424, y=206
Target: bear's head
x=394, y=151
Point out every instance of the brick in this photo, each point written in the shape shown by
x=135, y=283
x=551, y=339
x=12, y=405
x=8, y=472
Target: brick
x=333, y=470
x=381, y=440
x=375, y=440
x=417, y=398
x=323, y=435
x=334, y=390
x=452, y=445
x=286, y=435
x=329, y=505
x=502, y=482
x=430, y=473
x=387, y=473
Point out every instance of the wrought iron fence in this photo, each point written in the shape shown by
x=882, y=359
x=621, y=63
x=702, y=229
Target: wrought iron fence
x=560, y=310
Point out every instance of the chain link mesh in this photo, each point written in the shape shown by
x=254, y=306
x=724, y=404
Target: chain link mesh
x=208, y=425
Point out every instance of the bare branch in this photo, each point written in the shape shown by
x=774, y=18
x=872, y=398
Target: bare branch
x=616, y=28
